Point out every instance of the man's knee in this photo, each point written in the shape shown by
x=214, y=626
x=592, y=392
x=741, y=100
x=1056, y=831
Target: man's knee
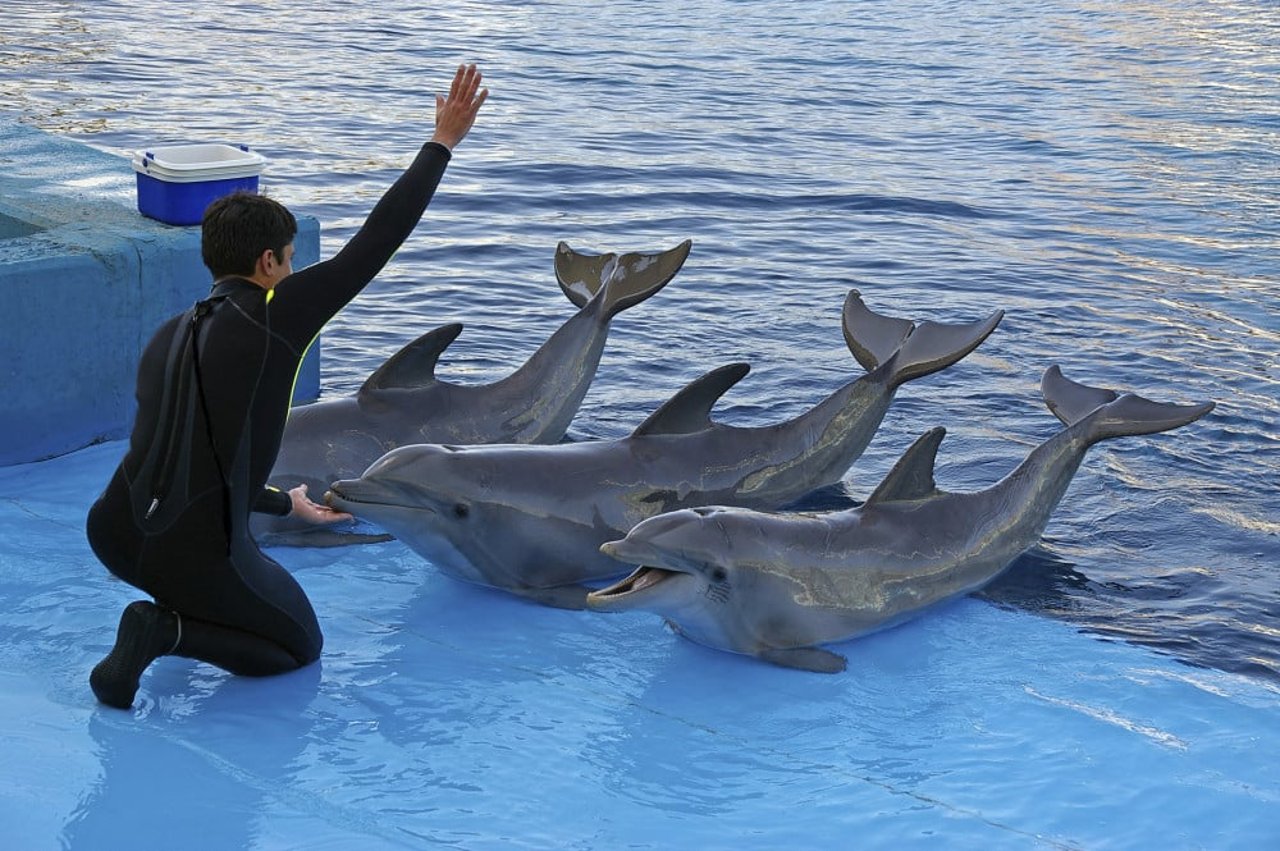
x=309, y=652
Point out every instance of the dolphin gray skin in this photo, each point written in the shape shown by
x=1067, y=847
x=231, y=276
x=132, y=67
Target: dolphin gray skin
x=531, y=519
x=775, y=585
x=403, y=401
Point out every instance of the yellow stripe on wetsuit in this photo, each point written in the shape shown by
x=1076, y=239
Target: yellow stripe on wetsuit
x=271, y=293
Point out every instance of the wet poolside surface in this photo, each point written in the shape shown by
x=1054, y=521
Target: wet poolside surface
x=445, y=714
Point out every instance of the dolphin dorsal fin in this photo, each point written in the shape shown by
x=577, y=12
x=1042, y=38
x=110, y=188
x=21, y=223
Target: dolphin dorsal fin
x=912, y=477
x=415, y=364
x=690, y=409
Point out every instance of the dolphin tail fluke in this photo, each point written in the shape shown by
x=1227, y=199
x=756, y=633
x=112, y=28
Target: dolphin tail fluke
x=1111, y=414
x=622, y=280
x=915, y=349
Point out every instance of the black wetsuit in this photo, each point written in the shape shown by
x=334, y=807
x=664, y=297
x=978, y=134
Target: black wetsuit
x=240, y=609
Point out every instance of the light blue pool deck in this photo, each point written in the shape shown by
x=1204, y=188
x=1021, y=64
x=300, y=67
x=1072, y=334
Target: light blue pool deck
x=445, y=715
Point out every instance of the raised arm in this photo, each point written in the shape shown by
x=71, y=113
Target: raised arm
x=306, y=300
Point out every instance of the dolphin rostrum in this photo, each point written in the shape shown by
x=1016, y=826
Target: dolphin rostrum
x=776, y=585
x=531, y=519
x=403, y=401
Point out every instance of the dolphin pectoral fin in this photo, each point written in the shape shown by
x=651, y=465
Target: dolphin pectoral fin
x=573, y=597
x=627, y=279
x=806, y=659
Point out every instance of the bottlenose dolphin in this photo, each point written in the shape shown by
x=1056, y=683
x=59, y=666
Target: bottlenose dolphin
x=403, y=401
x=531, y=519
x=775, y=585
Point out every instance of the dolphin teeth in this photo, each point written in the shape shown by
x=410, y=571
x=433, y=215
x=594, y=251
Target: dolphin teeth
x=335, y=494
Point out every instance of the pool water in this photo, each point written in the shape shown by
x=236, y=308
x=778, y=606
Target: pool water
x=1105, y=173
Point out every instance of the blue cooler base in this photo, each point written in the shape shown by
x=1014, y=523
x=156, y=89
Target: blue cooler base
x=184, y=203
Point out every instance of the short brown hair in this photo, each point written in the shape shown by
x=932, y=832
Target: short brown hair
x=237, y=228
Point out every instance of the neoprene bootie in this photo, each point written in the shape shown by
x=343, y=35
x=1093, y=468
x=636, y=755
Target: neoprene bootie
x=146, y=632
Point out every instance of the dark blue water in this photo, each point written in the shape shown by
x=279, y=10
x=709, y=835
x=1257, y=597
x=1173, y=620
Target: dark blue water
x=1106, y=173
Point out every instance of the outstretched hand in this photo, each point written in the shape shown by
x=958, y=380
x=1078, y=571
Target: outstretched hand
x=457, y=112
x=311, y=512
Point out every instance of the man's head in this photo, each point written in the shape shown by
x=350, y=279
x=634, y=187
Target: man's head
x=249, y=235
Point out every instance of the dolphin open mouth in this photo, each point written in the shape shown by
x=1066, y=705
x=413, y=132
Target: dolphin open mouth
x=641, y=579
x=341, y=492
x=336, y=493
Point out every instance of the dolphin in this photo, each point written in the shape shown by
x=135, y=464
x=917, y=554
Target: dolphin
x=531, y=519
x=403, y=401
x=774, y=586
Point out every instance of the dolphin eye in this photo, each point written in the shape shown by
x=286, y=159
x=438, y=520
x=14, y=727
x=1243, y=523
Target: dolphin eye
x=719, y=575
x=460, y=510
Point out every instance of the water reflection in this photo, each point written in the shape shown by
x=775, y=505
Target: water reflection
x=224, y=779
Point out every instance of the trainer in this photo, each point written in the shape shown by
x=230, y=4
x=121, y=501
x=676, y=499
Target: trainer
x=214, y=388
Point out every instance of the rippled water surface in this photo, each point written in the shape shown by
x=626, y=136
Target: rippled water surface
x=1106, y=173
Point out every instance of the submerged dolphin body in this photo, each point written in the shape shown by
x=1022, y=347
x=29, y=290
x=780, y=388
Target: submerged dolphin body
x=531, y=519
x=775, y=585
x=403, y=402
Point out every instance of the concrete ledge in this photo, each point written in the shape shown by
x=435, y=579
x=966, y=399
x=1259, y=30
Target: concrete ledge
x=85, y=279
